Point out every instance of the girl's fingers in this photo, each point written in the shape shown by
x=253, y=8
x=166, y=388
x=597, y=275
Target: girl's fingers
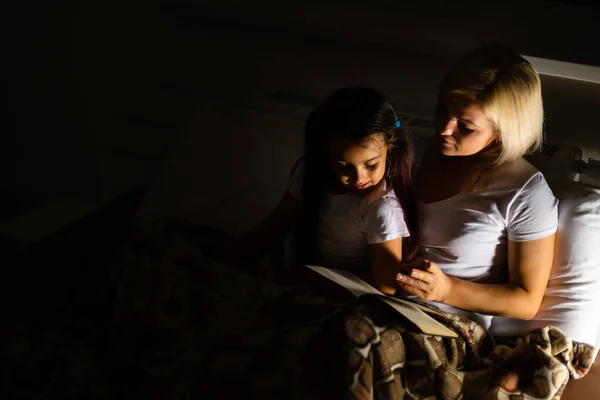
x=431, y=266
x=361, y=393
x=418, y=264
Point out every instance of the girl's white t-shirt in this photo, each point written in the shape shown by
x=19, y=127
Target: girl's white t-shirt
x=467, y=234
x=349, y=222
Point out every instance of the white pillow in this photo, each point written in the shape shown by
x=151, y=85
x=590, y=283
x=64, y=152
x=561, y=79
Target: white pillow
x=572, y=298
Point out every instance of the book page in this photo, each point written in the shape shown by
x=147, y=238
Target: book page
x=410, y=303
x=346, y=279
x=410, y=311
x=423, y=321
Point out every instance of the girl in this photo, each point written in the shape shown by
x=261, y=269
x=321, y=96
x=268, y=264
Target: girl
x=350, y=197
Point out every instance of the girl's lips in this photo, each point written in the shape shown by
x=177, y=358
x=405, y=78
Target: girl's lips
x=362, y=185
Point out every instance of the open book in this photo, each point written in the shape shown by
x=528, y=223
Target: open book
x=412, y=312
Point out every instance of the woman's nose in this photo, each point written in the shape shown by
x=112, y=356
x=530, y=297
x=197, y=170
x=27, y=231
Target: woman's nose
x=449, y=128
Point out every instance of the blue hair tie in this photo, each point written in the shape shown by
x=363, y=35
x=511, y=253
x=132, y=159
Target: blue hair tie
x=397, y=124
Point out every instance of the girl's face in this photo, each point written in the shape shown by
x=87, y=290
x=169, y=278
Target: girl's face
x=462, y=127
x=359, y=166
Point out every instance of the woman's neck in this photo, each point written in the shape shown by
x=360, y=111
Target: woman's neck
x=457, y=164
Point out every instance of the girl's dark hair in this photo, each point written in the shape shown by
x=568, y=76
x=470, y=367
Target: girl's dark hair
x=353, y=113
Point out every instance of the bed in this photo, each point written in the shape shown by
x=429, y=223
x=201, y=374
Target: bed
x=279, y=129
x=142, y=313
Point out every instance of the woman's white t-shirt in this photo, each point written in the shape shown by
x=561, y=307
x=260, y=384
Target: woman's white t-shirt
x=349, y=222
x=467, y=234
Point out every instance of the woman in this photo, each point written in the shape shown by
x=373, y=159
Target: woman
x=488, y=216
x=488, y=221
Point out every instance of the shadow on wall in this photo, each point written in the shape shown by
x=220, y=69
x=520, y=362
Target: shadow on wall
x=443, y=27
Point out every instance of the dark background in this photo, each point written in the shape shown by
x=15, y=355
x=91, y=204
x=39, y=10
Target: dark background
x=99, y=92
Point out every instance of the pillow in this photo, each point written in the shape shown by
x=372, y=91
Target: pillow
x=572, y=298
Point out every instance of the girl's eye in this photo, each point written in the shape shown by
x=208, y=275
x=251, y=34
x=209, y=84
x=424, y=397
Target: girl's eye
x=372, y=166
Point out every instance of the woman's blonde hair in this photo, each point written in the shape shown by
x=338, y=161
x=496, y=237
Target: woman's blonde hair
x=509, y=91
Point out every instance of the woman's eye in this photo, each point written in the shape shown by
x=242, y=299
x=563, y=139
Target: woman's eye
x=463, y=128
x=372, y=166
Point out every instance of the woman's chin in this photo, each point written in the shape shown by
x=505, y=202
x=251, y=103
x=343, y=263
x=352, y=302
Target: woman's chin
x=449, y=151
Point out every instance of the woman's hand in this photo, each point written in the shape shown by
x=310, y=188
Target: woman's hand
x=425, y=280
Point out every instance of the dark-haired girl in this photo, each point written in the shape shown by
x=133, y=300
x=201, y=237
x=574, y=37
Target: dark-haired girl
x=349, y=199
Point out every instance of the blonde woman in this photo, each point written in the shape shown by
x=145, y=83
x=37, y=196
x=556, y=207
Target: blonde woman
x=488, y=216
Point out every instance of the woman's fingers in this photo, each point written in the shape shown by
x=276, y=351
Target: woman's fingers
x=428, y=283
x=412, y=290
x=420, y=275
x=410, y=281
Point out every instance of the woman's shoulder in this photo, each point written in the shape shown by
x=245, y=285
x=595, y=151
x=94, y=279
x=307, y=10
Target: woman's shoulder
x=527, y=199
x=514, y=175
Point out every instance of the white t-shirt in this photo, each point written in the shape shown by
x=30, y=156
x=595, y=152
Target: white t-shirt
x=467, y=234
x=349, y=222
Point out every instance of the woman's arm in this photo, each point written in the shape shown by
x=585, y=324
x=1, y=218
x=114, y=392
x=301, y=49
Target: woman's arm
x=278, y=223
x=386, y=259
x=529, y=265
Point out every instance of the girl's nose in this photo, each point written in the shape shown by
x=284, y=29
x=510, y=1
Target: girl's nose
x=353, y=176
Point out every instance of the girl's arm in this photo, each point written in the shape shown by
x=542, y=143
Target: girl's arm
x=386, y=259
x=253, y=244
x=529, y=265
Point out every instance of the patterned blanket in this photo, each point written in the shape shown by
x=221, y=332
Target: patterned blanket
x=187, y=326
x=245, y=338
x=364, y=352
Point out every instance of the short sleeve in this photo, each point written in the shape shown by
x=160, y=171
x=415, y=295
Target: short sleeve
x=533, y=213
x=384, y=220
x=296, y=180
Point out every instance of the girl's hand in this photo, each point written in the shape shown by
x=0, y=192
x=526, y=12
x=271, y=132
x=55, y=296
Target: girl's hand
x=425, y=280
x=360, y=393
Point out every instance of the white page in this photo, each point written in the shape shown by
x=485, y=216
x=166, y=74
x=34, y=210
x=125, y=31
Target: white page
x=423, y=321
x=410, y=303
x=412, y=312
x=347, y=279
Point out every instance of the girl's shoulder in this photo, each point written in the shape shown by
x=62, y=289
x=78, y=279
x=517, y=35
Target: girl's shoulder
x=382, y=195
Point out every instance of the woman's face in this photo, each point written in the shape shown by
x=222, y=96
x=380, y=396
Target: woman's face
x=359, y=166
x=462, y=127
